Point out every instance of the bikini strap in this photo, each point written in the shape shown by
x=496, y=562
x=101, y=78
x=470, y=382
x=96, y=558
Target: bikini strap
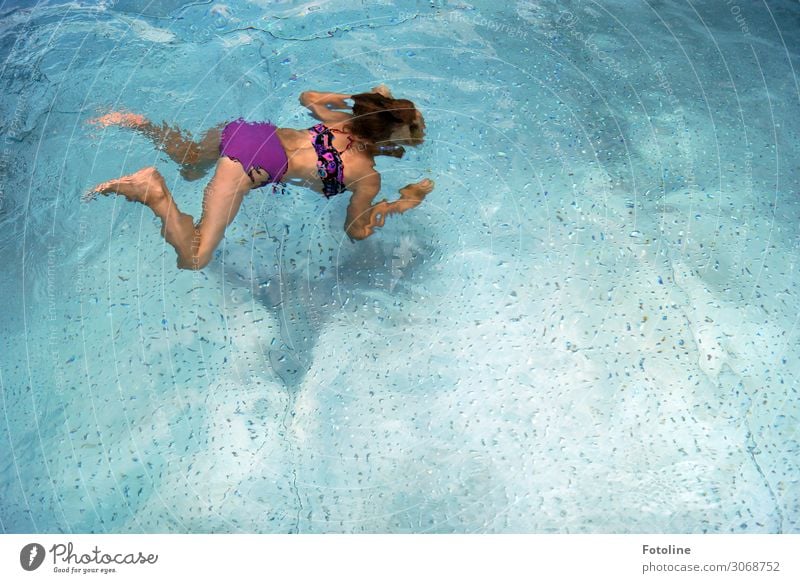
x=349, y=139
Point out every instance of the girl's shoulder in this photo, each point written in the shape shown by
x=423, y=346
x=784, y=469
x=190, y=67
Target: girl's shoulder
x=359, y=166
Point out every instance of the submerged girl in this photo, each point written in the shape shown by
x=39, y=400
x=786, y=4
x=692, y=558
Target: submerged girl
x=331, y=157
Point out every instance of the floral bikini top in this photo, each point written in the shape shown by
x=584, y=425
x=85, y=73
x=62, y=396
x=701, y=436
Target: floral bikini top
x=329, y=161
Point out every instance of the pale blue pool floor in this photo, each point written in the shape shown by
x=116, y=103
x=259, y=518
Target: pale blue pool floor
x=589, y=326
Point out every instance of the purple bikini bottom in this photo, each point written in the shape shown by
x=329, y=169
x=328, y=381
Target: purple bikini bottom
x=254, y=145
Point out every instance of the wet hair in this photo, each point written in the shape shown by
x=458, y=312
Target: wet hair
x=375, y=117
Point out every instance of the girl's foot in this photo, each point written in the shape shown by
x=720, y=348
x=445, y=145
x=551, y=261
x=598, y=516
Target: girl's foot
x=119, y=118
x=145, y=186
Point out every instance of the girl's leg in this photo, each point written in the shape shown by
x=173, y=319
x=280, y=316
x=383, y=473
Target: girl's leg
x=195, y=157
x=204, y=154
x=194, y=244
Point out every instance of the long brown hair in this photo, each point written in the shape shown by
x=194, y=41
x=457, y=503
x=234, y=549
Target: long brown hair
x=375, y=117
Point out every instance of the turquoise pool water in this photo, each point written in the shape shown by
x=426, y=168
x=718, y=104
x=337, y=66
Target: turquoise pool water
x=591, y=325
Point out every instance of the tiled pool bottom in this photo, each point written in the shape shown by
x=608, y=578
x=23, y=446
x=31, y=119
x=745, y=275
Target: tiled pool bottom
x=590, y=326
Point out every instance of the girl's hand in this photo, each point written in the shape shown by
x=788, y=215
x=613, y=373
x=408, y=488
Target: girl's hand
x=383, y=90
x=364, y=226
x=383, y=209
x=412, y=195
x=417, y=192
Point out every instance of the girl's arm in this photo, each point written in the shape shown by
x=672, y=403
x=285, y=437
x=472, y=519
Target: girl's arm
x=358, y=224
x=410, y=196
x=363, y=216
x=324, y=105
x=324, y=98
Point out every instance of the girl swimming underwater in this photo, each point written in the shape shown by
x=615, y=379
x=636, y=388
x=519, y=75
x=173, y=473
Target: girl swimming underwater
x=335, y=155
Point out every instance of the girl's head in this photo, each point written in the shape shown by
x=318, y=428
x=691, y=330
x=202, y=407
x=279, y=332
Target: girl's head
x=386, y=121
